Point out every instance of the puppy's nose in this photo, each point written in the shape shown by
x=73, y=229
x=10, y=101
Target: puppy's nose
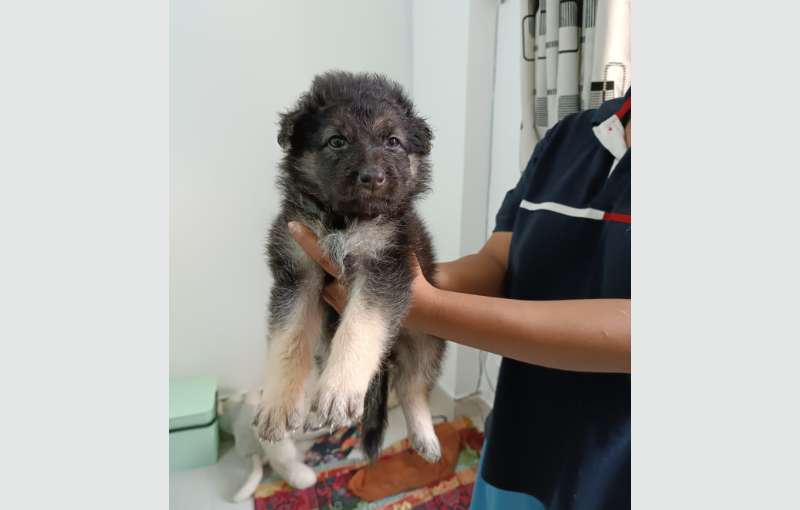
x=371, y=177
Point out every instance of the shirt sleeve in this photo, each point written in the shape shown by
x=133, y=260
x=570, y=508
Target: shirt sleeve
x=504, y=220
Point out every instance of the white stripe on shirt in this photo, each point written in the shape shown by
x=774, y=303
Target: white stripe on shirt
x=588, y=213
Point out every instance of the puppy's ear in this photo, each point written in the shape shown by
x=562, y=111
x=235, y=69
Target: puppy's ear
x=420, y=136
x=287, y=133
x=297, y=128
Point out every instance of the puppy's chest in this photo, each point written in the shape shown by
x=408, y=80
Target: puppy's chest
x=356, y=245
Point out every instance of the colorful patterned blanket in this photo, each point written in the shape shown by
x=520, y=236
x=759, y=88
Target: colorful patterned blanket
x=329, y=457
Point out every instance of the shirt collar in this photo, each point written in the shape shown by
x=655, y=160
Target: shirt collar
x=609, y=108
x=609, y=124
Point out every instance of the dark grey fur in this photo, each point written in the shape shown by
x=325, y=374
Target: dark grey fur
x=321, y=188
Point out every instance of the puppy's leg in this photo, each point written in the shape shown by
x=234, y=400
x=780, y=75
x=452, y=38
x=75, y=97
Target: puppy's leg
x=330, y=320
x=356, y=353
x=417, y=367
x=295, y=320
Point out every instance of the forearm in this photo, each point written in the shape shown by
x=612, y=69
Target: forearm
x=591, y=335
x=472, y=274
x=480, y=273
x=581, y=335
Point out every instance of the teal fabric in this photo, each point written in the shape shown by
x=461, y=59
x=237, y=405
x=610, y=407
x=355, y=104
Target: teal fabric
x=488, y=497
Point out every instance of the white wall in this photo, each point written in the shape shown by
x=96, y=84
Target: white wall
x=513, y=136
x=513, y=133
x=234, y=65
x=440, y=32
x=452, y=61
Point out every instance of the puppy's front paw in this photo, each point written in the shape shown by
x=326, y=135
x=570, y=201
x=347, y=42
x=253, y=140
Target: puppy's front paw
x=276, y=417
x=313, y=422
x=336, y=404
x=427, y=447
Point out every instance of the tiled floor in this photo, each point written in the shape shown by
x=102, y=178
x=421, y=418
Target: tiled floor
x=210, y=488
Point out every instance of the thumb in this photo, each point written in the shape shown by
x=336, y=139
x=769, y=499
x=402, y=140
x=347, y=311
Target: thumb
x=309, y=242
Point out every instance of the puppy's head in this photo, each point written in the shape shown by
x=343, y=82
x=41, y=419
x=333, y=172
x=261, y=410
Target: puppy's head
x=354, y=143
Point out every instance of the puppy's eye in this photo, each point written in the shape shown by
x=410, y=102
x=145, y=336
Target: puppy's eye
x=393, y=142
x=337, y=142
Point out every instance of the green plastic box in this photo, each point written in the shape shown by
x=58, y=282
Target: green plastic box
x=193, y=426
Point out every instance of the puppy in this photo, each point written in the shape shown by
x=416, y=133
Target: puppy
x=355, y=160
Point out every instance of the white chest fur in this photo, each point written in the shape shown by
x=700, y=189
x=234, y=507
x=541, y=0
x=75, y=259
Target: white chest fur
x=361, y=239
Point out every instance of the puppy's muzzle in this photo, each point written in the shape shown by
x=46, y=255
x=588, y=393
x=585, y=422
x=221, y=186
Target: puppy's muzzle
x=371, y=178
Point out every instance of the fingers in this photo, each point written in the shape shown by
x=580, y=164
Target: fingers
x=335, y=295
x=310, y=244
x=415, y=267
x=333, y=303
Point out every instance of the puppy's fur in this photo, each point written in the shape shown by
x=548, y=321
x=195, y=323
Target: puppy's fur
x=355, y=161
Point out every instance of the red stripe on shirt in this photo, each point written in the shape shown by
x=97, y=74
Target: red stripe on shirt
x=623, y=111
x=618, y=217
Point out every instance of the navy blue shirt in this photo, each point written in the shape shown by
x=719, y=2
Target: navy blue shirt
x=564, y=436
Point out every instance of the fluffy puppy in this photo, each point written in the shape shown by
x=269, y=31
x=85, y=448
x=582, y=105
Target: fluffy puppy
x=355, y=160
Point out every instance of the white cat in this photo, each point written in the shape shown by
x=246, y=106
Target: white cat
x=236, y=418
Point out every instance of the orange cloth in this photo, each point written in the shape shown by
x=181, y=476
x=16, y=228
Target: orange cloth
x=407, y=470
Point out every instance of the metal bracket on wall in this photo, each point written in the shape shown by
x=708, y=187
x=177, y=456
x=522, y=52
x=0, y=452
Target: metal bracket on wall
x=608, y=66
x=525, y=55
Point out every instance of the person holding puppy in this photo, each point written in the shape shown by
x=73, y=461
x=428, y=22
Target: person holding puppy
x=550, y=292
